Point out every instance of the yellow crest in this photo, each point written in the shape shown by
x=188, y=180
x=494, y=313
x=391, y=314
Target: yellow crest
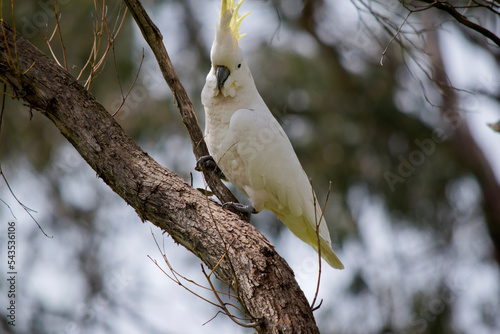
x=235, y=19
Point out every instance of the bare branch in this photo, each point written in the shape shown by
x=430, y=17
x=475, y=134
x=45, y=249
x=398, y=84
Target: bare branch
x=318, y=223
x=264, y=283
x=392, y=39
x=462, y=19
x=27, y=209
x=224, y=308
x=124, y=97
x=95, y=60
x=58, y=28
x=155, y=40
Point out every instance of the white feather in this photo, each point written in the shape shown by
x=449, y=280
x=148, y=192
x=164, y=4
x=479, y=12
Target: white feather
x=253, y=151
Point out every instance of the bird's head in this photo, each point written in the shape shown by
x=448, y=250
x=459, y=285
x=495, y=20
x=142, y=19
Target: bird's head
x=228, y=64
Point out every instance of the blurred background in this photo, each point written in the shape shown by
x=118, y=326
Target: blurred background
x=389, y=102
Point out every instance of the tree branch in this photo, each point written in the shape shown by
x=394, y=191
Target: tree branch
x=261, y=278
x=465, y=144
x=155, y=40
x=462, y=19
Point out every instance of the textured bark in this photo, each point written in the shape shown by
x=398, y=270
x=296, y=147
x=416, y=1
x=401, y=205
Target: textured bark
x=154, y=38
x=262, y=279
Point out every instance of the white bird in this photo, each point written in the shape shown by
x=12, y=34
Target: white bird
x=249, y=145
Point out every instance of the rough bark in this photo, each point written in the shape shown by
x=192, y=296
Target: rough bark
x=262, y=279
x=154, y=38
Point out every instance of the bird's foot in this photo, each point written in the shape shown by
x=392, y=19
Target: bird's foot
x=248, y=209
x=209, y=163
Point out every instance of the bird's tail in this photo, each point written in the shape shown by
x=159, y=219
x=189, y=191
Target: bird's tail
x=305, y=232
x=327, y=253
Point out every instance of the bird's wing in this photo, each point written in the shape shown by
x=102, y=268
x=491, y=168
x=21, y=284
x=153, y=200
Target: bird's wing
x=276, y=179
x=273, y=167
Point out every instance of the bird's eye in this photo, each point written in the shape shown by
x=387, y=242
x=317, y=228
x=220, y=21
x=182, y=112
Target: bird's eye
x=239, y=65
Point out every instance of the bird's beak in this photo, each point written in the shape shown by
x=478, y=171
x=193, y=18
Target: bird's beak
x=221, y=72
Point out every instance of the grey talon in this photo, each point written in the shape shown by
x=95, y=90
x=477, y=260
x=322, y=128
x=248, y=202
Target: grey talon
x=248, y=209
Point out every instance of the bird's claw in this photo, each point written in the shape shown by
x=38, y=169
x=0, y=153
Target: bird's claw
x=209, y=163
x=248, y=209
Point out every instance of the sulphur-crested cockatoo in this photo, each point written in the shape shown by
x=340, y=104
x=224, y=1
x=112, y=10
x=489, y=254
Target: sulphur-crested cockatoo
x=249, y=145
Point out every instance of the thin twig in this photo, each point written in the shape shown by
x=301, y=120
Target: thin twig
x=317, y=222
x=8, y=207
x=317, y=307
x=48, y=41
x=2, y=108
x=182, y=285
x=212, y=318
x=10, y=95
x=462, y=19
x=8, y=54
x=220, y=260
x=15, y=35
x=236, y=289
x=124, y=98
x=58, y=27
x=176, y=273
x=95, y=61
x=27, y=209
x=392, y=39
x=319, y=273
x=224, y=308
